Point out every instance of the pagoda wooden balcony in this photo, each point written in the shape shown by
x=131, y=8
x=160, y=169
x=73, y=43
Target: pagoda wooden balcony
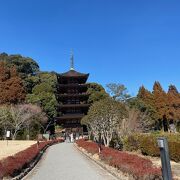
x=61, y=106
x=76, y=87
x=73, y=125
x=69, y=116
x=72, y=85
x=72, y=96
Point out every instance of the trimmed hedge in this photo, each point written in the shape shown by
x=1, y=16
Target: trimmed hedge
x=13, y=165
x=135, y=166
x=89, y=146
x=147, y=144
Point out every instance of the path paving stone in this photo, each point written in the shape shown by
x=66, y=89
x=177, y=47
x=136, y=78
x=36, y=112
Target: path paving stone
x=64, y=162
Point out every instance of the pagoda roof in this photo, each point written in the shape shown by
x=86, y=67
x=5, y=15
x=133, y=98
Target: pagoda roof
x=73, y=73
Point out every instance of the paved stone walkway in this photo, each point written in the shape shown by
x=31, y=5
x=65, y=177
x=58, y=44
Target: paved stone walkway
x=64, y=162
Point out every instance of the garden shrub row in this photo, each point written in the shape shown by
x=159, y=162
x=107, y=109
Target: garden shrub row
x=13, y=165
x=147, y=144
x=133, y=165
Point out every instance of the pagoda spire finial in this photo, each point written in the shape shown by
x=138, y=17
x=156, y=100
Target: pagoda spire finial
x=72, y=61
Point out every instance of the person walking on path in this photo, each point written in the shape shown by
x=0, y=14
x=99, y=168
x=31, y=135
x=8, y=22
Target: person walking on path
x=74, y=136
x=71, y=136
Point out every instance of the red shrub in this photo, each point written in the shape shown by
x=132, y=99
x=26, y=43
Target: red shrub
x=12, y=165
x=91, y=147
x=134, y=165
x=128, y=163
x=1, y=170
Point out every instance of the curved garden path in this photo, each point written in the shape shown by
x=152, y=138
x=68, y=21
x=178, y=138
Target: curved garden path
x=64, y=162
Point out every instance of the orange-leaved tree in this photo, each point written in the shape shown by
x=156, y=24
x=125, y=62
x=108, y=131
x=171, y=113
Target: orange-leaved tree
x=160, y=100
x=146, y=96
x=173, y=103
x=11, y=86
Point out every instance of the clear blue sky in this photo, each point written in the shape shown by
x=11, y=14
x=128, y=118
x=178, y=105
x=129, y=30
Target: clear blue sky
x=132, y=42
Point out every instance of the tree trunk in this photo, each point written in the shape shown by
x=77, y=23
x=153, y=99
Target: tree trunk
x=165, y=124
x=108, y=141
x=104, y=140
x=14, y=135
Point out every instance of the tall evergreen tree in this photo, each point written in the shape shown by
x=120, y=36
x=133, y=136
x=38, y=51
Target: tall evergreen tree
x=146, y=96
x=160, y=100
x=173, y=103
x=161, y=105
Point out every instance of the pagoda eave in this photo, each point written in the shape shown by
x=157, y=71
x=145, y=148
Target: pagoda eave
x=72, y=85
x=72, y=125
x=72, y=74
x=67, y=117
x=73, y=105
x=72, y=95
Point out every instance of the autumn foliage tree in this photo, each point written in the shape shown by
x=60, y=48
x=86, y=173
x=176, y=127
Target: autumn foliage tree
x=26, y=67
x=11, y=86
x=173, y=103
x=160, y=100
x=166, y=105
x=146, y=96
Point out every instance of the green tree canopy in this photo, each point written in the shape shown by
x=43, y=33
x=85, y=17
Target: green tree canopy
x=96, y=92
x=104, y=117
x=26, y=67
x=43, y=93
x=118, y=91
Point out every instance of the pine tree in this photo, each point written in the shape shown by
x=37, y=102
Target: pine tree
x=147, y=105
x=160, y=100
x=161, y=105
x=146, y=96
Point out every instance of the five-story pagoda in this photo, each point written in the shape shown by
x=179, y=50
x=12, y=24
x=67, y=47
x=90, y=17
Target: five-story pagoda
x=72, y=99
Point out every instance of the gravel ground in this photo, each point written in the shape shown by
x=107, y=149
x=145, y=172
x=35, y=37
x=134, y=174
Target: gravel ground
x=64, y=162
x=9, y=148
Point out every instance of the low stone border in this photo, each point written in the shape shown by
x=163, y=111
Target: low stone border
x=115, y=172
x=32, y=164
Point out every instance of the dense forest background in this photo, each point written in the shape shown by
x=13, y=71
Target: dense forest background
x=22, y=82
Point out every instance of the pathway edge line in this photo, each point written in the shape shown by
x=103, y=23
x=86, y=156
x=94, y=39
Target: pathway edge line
x=31, y=166
x=113, y=171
